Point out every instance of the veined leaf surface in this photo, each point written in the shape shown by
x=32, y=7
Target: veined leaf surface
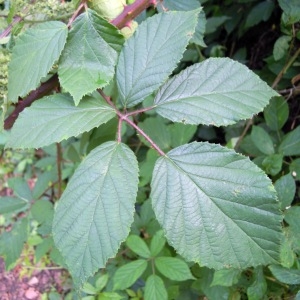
x=89, y=58
x=218, y=91
x=96, y=210
x=217, y=207
x=55, y=118
x=149, y=57
x=35, y=52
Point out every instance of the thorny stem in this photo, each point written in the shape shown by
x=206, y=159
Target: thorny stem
x=125, y=118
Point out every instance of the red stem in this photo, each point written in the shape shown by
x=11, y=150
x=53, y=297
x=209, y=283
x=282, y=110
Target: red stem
x=132, y=11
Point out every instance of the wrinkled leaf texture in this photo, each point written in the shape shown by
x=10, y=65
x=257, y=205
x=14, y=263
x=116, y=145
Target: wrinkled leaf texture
x=96, y=210
x=217, y=207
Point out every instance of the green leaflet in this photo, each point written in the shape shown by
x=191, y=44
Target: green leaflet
x=11, y=204
x=55, y=118
x=290, y=144
x=35, y=52
x=155, y=289
x=96, y=210
x=218, y=91
x=128, y=274
x=89, y=58
x=173, y=268
x=145, y=61
x=217, y=207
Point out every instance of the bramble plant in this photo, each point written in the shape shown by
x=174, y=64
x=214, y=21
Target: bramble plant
x=215, y=206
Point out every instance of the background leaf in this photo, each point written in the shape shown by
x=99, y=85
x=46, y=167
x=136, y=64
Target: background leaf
x=290, y=144
x=138, y=246
x=155, y=289
x=96, y=210
x=286, y=188
x=157, y=243
x=208, y=198
x=55, y=118
x=288, y=276
x=128, y=274
x=258, y=288
x=11, y=204
x=262, y=140
x=35, y=52
x=227, y=92
x=226, y=277
x=89, y=58
x=173, y=268
x=145, y=61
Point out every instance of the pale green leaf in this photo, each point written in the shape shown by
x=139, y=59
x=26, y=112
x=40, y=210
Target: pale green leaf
x=33, y=55
x=290, y=144
x=96, y=210
x=55, y=118
x=218, y=91
x=128, y=274
x=157, y=243
x=226, y=277
x=173, y=268
x=288, y=276
x=262, y=140
x=186, y=6
x=145, y=61
x=216, y=207
x=89, y=58
x=292, y=9
x=155, y=289
x=287, y=255
x=20, y=187
x=138, y=246
x=11, y=243
x=11, y=204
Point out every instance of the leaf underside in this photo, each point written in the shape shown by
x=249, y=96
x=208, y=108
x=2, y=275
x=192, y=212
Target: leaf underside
x=96, y=210
x=217, y=208
x=89, y=58
x=55, y=118
x=218, y=91
x=35, y=52
x=145, y=61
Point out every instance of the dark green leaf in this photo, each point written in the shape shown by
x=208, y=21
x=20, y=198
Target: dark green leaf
x=11, y=204
x=262, y=140
x=138, y=246
x=35, y=52
x=295, y=168
x=216, y=99
x=89, y=58
x=272, y=164
x=286, y=188
x=173, y=268
x=290, y=144
x=276, y=113
x=181, y=133
x=55, y=118
x=128, y=274
x=155, y=289
x=260, y=12
x=258, y=288
x=288, y=276
x=207, y=197
x=281, y=47
x=89, y=231
x=145, y=61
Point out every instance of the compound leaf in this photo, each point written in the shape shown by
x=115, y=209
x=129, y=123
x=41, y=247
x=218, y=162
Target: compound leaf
x=55, y=118
x=96, y=210
x=89, y=58
x=216, y=207
x=35, y=52
x=218, y=91
x=145, y=61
